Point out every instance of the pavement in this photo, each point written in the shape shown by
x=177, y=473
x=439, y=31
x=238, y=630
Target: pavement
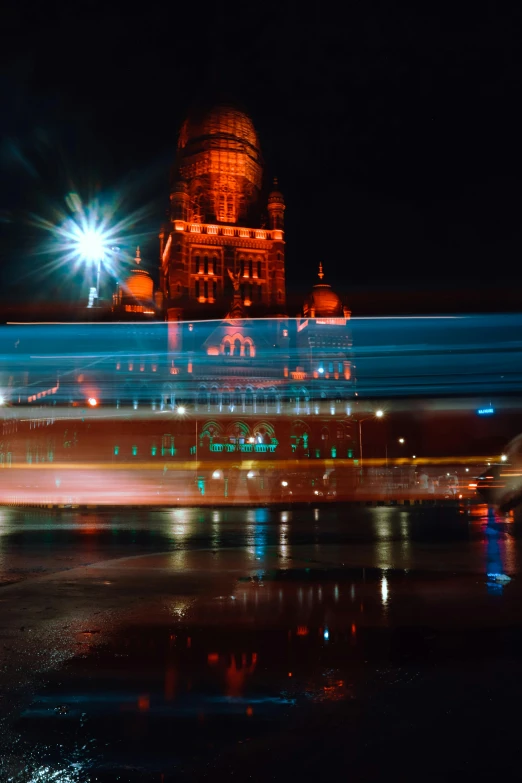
x=260, y=645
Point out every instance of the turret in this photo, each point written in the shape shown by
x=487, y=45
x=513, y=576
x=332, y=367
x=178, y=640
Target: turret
x=276, y=208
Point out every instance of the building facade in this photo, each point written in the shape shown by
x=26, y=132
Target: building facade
x=222, y=227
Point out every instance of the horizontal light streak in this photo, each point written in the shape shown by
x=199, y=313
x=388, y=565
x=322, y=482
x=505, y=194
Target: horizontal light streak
x=291, y=465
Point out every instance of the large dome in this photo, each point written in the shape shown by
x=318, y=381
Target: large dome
x=221, y=126
x=219, y=159
x=322, y=301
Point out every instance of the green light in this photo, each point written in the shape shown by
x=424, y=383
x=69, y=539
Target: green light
x=116, y=451
x=153, y=450
x=134, y=451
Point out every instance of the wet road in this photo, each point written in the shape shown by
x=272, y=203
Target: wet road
x=208, y=644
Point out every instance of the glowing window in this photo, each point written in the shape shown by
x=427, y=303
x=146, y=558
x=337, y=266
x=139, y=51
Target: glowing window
x=134, y=451
x=116, y=451
x=153, y=450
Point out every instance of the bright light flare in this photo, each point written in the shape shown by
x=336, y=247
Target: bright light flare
x=503, y=458
x=93, y=402
x=88, y=238
x=379, y=414
x=92, y=245
x=181, y=410
x=86, y=235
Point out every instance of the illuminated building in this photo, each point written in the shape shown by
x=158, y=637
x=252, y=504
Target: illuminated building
x=255, y=383
x=220, y=224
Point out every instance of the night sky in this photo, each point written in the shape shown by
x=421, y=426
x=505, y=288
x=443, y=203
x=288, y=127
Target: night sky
x=395, y=134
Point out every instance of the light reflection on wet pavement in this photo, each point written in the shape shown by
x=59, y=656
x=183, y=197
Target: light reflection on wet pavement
x=261, y=644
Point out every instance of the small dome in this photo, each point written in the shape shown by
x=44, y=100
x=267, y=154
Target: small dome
x=322, y=301
x=139, y=284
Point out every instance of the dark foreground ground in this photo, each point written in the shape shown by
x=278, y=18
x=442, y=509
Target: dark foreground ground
x=361, y=644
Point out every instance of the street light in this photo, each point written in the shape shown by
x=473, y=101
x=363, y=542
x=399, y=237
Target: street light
x=402, y=441
x=377, y=415
x=88, y=239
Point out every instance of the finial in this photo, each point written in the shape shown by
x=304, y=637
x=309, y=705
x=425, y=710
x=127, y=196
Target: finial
x=137, y=257
x=321, y=273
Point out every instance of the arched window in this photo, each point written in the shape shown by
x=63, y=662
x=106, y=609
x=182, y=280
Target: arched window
x=247, y=349
x=214, y=289
x=330, y=366
x=217, y=265
x=202, y=395
x=259, y=268
x=271, y=398
x=205, y=289
x=226, y=397
x=214, y=396
x=226, y=348
x=244, y=268
x=249, y=397
x=237, y=396
x=196, y=264
x=197, y=289
x=205, y=265
x=237, y=347
x=250, y=267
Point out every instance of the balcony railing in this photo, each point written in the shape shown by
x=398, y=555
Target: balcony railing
x=228, y=231
x=258, y=448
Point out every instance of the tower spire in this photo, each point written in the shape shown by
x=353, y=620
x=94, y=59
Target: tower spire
x=137, y=257
x=320, y=274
